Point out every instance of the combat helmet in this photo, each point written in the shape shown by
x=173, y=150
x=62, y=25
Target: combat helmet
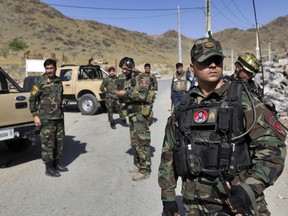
x=249, y=62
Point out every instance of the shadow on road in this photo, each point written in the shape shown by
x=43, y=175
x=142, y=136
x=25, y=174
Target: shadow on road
x=9, y=158
x=71, y=150
x=73, y=108
x=132, y=152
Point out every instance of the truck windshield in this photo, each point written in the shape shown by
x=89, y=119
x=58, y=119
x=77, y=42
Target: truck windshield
x=65, y=75
x=89, y=73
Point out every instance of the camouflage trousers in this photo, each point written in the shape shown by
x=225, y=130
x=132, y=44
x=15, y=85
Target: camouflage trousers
x=140, y=141
x=113, y=104
x=151, y=114
x=52, y=134
x=203, y=208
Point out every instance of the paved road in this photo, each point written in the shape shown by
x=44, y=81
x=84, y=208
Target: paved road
x=98, y=182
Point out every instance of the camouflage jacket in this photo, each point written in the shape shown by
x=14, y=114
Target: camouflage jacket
x=265, y=141
x=137, y=90
x=109, y=85
x=153, y=82
x=46, y=99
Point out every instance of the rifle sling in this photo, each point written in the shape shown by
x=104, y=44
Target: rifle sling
x=251, y=197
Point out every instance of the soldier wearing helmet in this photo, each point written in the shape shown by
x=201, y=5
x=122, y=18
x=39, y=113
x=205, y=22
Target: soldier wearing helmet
x=246, y=67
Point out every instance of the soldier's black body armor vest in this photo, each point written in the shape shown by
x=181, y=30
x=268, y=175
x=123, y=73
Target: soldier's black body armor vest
x=205, y=136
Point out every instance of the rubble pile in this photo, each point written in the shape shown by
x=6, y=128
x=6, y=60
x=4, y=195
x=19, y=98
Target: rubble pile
x=275, y=86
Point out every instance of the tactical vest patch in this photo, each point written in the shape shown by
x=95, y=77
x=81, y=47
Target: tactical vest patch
x=207, y=116
x=144, y=82
x=200, y=116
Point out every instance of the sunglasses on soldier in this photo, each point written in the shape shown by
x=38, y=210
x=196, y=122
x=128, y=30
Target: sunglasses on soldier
x=217, y=60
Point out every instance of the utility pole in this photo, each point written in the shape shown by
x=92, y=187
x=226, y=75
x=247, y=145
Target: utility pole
x=257, y=42
x=269, y=52
x=232, y=60
x=208, y=18
x=179, y=38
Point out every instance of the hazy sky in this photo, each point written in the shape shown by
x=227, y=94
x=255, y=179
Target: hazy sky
x=158, y=16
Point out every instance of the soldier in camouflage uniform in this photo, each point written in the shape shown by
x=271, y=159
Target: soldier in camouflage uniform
x=223, y=172
x=135, y=96
x=246, y=67
x=109, y=85
x=179, y=84
x=153, y=87
x=47, y=109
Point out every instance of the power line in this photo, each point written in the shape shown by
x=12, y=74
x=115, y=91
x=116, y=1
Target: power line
x=123, y=18
x=242, y=14
x=233, y=13
x=126, y=9
x=132, y=17
x=220, y=12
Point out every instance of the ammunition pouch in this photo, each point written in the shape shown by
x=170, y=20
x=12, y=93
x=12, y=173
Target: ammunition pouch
x=211, y=159
x=151, y=97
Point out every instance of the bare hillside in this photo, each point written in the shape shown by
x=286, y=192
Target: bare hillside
x=51, y=34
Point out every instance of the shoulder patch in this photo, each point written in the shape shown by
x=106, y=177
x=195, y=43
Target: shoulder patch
x=274, y=122
x=280, y=130
x=34, y=90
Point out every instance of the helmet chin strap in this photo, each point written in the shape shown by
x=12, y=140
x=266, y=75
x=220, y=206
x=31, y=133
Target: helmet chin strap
x=237, y=72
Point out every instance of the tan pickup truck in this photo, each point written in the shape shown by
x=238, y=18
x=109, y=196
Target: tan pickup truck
x=17, y=128
x=81, y=83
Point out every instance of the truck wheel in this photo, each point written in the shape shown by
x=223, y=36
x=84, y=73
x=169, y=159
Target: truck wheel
x=88, y=105
x=18, y=145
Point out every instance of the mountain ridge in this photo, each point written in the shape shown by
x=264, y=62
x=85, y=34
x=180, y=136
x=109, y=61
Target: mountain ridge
x=49, y=33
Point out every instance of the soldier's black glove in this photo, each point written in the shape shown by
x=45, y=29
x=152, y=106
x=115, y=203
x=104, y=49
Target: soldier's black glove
x=170, y=207
x=240, y=200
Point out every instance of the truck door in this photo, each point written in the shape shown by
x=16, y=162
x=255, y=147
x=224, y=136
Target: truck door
x=16, y=107
x=66, y=77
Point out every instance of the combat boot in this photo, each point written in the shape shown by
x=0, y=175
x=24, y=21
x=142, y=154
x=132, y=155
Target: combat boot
x=50, y=170
x=140, y=176
x=124, y=123
x=112, y=125
x=134, y=169
x=58, y=167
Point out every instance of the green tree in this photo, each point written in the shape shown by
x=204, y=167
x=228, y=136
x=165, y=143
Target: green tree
x=4, y=51
x=16, y=45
